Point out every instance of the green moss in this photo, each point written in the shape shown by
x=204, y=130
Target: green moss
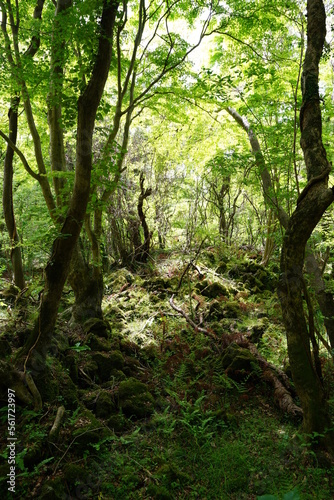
x=238, y=359
x=117, y=359
x=158, y=492
x=118, y=423
x=98, y=344
x=105, y=365
x=211, y=290
x=52, y=490
x=88, y=430
x=105, y=405
x=232, y=309
x=5, y=348
x=74, y=473
x=98, y=326
x=135, y=399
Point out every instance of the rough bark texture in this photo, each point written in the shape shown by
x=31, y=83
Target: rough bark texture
x=325, y=299
x=57, y=151
x=57, y=269
x=141, y=253
x=7, y=198
x=309, y=211
x=87, y=284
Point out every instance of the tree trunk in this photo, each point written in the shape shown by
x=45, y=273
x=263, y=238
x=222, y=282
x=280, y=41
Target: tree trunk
x=57, y=269
x=87, y=284
x=311, y=205
x=325, y=299
x=142, y=253
x=7, y=198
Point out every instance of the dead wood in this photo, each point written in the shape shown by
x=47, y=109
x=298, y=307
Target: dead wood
x=270, y=373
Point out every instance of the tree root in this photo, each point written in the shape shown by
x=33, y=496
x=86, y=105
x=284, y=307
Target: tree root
x=23, y=385
x=53, y=434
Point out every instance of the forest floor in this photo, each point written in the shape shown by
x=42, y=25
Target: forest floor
x=158, y=409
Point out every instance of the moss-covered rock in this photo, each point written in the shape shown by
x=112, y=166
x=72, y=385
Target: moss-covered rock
x=118, y=423
x=90, y=368
x=211, y=290
x=222, y=267
x=239, y=361
x=257, y=330
x=53, y=489
x=105, y=365
x=105, y=405
x=71, y=363
x=134, y=398
x=158, y=492
x=117, y=359
x=232, y=309
x=99, y=327
x=118, y=279
x=216, y=310
x=98, y=344
x=88, y=430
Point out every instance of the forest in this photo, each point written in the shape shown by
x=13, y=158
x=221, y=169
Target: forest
x=166, y=262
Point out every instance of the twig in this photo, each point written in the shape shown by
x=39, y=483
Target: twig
x=189, y=320
x=191, y=263
x=69, y=446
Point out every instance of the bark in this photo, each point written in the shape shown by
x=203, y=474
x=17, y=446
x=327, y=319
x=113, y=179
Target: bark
x=7, y=198
x=87, y=284
x=324, y=298
x=57, y=151
x=142, y=253
x=315, y=200
x=57, y=269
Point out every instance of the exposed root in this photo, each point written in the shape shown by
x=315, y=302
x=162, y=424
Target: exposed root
x=34, y=391
x=53, y=434
x=20, y=383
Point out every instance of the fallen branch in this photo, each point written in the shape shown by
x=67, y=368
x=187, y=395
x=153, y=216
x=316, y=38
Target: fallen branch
x=270, y=373
x=189, y=320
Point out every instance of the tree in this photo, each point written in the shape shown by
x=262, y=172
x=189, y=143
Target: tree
x=311, y=205
x=35, y=349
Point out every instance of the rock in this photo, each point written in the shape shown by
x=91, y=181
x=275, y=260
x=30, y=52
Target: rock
x=211, y=290
x=134, y=398
x=98, y=326
x=88, y=431
x=105, y=365
x=105, y=405
x=98, y=344
x=239, y=361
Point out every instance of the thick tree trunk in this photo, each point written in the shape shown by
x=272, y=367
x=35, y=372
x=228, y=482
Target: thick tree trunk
x=7, y=198
x=325, y=299
x=57, y=270
x=87, y=284
x=311, y=205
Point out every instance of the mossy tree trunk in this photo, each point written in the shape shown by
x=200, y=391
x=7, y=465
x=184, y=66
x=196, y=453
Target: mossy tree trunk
x=311, y=205
x=7, y=198
x=87, y=284
x=58, y=267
